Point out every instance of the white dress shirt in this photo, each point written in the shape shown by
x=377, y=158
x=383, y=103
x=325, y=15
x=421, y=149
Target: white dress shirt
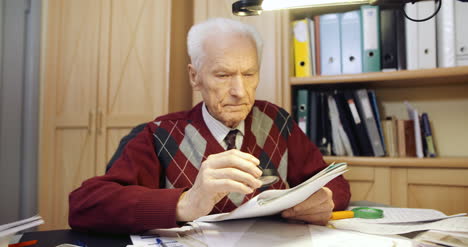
x=219, y=130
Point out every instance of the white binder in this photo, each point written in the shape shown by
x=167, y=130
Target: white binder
x=427, y=35
x=461, y=32
x=445, y=20
x=420, y=36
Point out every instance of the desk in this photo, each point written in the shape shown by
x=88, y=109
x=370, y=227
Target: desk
x=57, y=237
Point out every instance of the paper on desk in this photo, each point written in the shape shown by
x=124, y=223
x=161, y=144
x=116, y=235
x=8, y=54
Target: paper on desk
x=261, y=232
x=274, y=201
x=404, y=215
x=457, y=224
x=326, y=237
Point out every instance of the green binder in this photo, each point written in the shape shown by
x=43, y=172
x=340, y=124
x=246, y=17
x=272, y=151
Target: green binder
x=302, y=102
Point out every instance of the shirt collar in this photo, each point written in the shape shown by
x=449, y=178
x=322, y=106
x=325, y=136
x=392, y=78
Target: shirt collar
x=218, y=129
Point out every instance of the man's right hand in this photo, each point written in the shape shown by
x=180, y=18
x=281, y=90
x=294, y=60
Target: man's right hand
x=219, y=175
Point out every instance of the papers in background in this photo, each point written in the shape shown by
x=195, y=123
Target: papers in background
x=434, y=238
x=459, y=224
x=404, y=215
x=8, y=230
x=271, y=202
x=266, y=232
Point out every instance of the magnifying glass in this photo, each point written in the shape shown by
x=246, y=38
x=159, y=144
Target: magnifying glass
x=269, y=176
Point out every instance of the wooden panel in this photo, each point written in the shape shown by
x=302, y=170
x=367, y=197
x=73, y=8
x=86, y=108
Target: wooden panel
x=77, y=60
x=138, y=56
x=136, y=87
x=446, y=162
x=448, y=199
x=268, y=24
x=454, y=177
x=399, y=181
x=369, y=183
x=74, y=159
x=68, y=100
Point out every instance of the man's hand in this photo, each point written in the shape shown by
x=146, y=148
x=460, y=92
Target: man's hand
x=220, y=174
x=316, y=209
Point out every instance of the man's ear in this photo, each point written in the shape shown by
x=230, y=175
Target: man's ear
x=194, y=82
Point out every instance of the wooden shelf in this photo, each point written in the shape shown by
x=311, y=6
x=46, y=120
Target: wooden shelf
x=461, y=162
x=405, y=78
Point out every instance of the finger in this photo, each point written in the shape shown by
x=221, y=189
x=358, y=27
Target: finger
x=238, y=153
x=234, y=162
x=228, y=185
x=237, y=175
x=321, y=198
x=316, y=219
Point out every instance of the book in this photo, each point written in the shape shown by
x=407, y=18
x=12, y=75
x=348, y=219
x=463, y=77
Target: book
x=406, y=141
x=390, y=136
x=414, y=115
x=358, y=125
x=346, y=121
x=365, y=112
x=427, y=134
x=271, y=202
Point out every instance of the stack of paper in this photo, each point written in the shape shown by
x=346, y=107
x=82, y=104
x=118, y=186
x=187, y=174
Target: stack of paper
x=404, y=220
x=8, y=230
x=271, y=202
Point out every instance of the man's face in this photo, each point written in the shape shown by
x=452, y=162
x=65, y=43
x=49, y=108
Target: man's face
x=227, y=78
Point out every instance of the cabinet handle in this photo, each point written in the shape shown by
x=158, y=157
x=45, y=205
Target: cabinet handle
x=90, y=122
x=99, y=122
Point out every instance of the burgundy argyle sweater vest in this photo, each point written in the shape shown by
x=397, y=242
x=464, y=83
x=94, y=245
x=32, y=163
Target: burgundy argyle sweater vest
x=183, y=141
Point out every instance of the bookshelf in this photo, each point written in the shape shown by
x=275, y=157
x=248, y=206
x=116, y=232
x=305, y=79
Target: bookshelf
x=440, y=183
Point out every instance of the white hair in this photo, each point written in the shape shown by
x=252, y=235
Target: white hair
x=218, y=26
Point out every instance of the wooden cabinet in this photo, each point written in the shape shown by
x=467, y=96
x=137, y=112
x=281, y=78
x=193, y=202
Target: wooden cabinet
x=105, y=69
x=439, y=183
x=270, y=28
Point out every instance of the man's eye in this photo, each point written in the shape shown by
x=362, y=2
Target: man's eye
x=222, y=75
x=249, y=75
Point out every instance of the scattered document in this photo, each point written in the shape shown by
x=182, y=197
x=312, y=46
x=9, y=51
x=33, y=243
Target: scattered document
x=271, y=202
x=437, y=238
x=326, y=237
x=8, y=230
x=404, y=215
x=456, y=224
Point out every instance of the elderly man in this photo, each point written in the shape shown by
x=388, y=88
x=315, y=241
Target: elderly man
x=185, y=165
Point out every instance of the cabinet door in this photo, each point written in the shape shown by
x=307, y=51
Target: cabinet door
x=369, y=183
x=69, y=85
x=268, y=25
x=444, y=189
x=134, y=83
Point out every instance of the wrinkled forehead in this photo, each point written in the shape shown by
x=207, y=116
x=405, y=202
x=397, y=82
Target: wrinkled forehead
x=218, y=47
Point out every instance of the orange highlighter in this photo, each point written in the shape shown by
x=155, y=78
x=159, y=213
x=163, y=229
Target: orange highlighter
x=361, y=212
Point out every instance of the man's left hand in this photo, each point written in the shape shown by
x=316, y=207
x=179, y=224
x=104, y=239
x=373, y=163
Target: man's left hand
x=315, y=210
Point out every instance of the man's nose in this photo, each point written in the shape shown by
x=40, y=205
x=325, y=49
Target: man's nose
x=237, y=86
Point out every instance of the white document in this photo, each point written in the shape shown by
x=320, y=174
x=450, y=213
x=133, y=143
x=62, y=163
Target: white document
x=456, y=224
x=326, y=237
x=271, y=202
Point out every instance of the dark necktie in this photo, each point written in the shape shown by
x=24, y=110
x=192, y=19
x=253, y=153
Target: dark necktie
x=230, y=139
